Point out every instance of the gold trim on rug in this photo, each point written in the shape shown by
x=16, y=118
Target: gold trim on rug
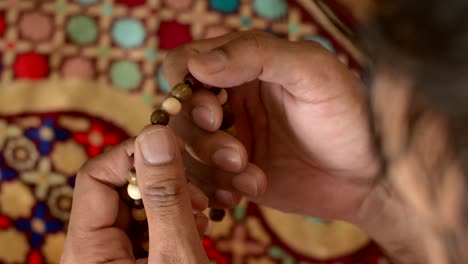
x=316, y=240
x=125, y=110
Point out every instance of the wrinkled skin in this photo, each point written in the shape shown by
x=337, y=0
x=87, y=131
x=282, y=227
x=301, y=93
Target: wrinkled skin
x=300, y=114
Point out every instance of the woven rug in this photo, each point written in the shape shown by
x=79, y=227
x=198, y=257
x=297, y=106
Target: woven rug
x=79, y=76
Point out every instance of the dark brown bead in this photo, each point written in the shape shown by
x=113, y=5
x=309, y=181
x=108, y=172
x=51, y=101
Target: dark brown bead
x=140, y=244
x=215, y=90
x=138, y=227
x=124, y=195
x=138, y=252
x=139, y=214
x=160, y=117
x=145, y=245
x=228, y=121
x=193, y=83
x=138, y=204
x=181, y=92
x=217, y=215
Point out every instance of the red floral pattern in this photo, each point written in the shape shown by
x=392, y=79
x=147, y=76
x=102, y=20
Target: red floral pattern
x=96, y=139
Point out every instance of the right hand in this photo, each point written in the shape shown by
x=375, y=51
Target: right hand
x=301, y=118
x=99, y=223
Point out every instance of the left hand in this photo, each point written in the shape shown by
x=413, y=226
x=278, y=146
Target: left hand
x=98, y=220
x=303, y=141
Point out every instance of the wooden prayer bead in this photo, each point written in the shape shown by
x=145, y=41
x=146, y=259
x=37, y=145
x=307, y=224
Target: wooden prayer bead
x=132, y=179
x=133, y=192
x=138, y=204
x=138, y=227
x=181, y=92
x=139, y=214
x=160, y=117
x=141, y=244
x=145, y=245
x=222, y=97
x=172, y=106
x=193, y=83
x=217, y=215
x=139, y=252
x=128, y=200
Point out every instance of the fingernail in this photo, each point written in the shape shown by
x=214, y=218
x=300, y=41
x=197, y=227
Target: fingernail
x=203, y=117
x=224, y=197
x=212, y=61
x=246, y=184
x=157, y=147
x=227, y=159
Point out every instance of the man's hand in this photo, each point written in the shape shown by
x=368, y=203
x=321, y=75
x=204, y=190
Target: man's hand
x=97, y=230
x=301, y=118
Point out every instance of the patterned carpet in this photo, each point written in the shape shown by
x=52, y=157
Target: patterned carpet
x=79, y=76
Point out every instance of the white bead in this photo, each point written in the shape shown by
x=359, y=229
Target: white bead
x=172, y=106
x=222, y=97
x=133, y=192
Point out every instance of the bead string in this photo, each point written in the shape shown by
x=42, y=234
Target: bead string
x=171, y=106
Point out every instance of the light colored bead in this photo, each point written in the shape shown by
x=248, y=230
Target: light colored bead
x=133, y=192
x=139, y=214
x=132, y=179
x=222, y=97
x=172, y=106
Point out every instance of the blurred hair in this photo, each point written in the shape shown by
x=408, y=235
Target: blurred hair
x=428, y=40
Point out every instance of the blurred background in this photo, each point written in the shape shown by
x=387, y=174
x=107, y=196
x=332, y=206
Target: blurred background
x=79, y=76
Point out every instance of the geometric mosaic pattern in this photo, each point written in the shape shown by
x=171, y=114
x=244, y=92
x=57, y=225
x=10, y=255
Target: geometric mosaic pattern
x=122, y=42
x=66, y=69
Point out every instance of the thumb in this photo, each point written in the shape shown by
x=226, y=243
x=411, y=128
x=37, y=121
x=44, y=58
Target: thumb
x=302, y=68
x=173, y=235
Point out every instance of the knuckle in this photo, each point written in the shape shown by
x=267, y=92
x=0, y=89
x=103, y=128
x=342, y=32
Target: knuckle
x=163, y=193
x=88, y=168
x=94, y=167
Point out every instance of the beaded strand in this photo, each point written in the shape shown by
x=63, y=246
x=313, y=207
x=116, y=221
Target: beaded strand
x=171, y=106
